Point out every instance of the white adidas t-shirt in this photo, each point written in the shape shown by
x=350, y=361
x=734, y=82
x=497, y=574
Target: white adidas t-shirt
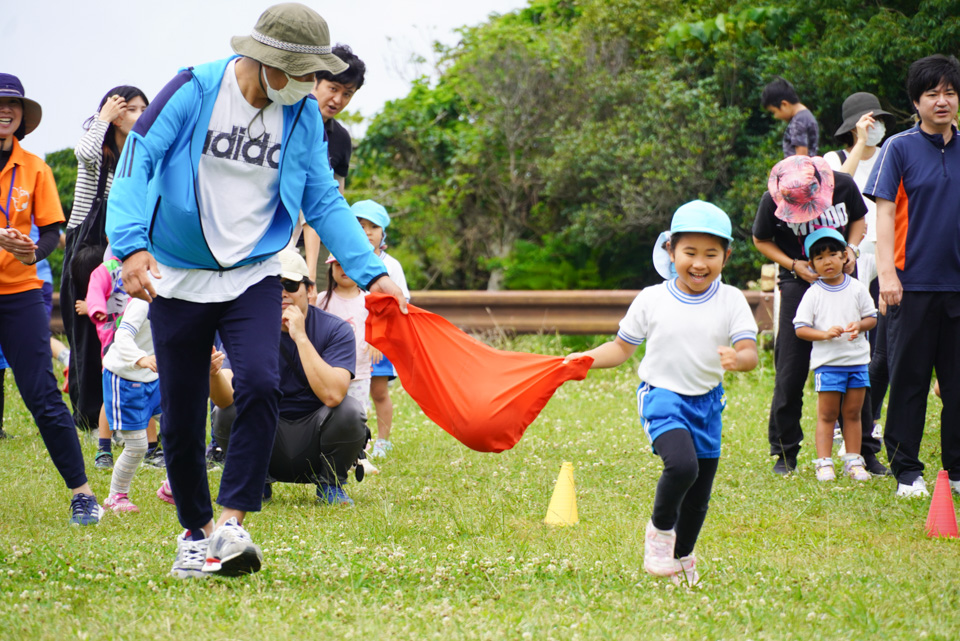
x=683, y=332
x=238, y=192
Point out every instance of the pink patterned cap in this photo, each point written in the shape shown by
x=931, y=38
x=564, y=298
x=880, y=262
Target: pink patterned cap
x=801, y=187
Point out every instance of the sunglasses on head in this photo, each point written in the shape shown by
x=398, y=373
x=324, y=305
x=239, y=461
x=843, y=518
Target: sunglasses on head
x=291, y=286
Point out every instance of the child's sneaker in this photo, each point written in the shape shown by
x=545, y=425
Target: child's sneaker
x=164, y=493
x=231, y=551
x=154, y=458
x=824, y=467
x=380, y=448
x=84, y=510
x=686, y=571
x=191, y=555
x=837, y=434
x=103, y=460
x=855, y=467
x=916, y=489
x=333, y=495
x=658, y=551
x=120, y=502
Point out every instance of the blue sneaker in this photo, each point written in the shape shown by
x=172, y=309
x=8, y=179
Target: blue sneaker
x=333, y=495
x=84, y=510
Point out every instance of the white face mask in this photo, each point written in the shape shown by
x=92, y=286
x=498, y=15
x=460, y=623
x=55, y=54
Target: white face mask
x=291, y=94
x=876, y=133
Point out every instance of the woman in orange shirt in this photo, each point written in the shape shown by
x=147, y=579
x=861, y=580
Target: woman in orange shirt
x=28, y=195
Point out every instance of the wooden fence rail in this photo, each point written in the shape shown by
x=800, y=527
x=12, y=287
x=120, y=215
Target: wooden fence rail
x=531, y=312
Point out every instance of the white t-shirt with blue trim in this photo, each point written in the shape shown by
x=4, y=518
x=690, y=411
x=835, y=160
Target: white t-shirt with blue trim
x=683, y=332
x=824, y=306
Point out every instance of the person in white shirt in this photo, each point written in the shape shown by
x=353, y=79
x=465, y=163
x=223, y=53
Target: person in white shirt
x=696, y=329
x=835, y=313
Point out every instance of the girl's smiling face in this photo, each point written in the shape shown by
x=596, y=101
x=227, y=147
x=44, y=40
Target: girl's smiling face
x=11, y=115
x=698, y=259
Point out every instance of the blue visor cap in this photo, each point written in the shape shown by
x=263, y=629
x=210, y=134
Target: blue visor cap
x=702, y=217
x=823, y=232
x=372, y=211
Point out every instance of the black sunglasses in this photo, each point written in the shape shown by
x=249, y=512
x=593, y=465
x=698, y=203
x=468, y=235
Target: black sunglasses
x=291, y=286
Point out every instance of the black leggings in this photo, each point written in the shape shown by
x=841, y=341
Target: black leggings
x=683, y=492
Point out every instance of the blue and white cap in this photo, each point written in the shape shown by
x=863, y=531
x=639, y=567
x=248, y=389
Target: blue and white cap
x=819, y=234
x=373, y=211
x=696, y=216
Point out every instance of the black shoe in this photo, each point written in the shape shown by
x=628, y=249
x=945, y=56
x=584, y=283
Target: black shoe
x=154, y=458
x=215, y=456
x=875, y=467
x=785, y=465
x=3, y=434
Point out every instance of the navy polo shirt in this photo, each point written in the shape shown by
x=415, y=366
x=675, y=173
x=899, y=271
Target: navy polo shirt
x=921, y=175
x=333, y=339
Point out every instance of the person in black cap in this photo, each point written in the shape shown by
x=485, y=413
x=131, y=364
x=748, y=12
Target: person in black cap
x=28, y=196
x=865, y=125
x=210, y=183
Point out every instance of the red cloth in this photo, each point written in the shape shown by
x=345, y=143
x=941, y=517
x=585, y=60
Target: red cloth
x=485, y=398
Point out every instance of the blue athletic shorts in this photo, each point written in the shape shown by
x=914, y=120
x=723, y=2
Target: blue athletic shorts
x=662, y=410
x=129, y=404
x=384, y=368
x=832, y=380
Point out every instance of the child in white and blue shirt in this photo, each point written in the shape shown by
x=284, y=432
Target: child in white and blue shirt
x=835, y=313
x=131, y=397
x=695, y=329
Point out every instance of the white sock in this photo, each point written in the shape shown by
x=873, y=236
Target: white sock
x=64, y=357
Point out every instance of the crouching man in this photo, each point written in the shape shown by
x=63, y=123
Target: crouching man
x=321, y=431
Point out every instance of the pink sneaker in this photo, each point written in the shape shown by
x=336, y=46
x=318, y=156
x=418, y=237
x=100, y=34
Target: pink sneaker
x=687, y=574
x=120, y=502
x=658, y=551
x=164, y=493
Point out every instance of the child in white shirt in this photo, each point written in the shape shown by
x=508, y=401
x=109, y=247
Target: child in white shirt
x=835, y=313
x=696, y=329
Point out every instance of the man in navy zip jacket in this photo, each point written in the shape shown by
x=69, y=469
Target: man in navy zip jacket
x=916, y=183
x=207, y=191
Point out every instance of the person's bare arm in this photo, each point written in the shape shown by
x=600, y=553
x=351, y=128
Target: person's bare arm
x=611, y=354
x=800, y=267
x=891, y=290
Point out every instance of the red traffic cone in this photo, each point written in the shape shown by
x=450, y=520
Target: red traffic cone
x=942, y=519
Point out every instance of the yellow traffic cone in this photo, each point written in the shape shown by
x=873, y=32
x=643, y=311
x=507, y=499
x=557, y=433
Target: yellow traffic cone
x=563, y=503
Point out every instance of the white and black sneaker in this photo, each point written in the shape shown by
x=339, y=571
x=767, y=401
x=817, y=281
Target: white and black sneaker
x=232, y=552
x=191, y=555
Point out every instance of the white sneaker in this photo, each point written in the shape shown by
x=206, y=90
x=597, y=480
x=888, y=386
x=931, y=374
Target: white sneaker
x=380, y=448
x=877, y=431
x=231, y=551
x=955, y=486
x=658, y=551
x=191, y=556
x=686, y=571
x=919, y=488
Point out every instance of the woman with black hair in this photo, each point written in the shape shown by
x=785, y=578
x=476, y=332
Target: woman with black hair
x=97, y=153
x=28, y=196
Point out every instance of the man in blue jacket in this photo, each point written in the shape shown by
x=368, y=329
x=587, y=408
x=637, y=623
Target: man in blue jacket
x=207, y=191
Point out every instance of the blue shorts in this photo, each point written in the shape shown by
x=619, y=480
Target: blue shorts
x=384, y=368
x=662, y=410
x=829, y=379
x=129, y=404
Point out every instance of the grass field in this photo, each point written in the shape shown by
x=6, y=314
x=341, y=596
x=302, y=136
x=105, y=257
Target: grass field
x=447, y=543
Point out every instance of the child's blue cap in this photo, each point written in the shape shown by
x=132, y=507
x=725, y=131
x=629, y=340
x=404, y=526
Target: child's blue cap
x=696, y=216
x=702, y=217
x=823, y=232
x=372, y=211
